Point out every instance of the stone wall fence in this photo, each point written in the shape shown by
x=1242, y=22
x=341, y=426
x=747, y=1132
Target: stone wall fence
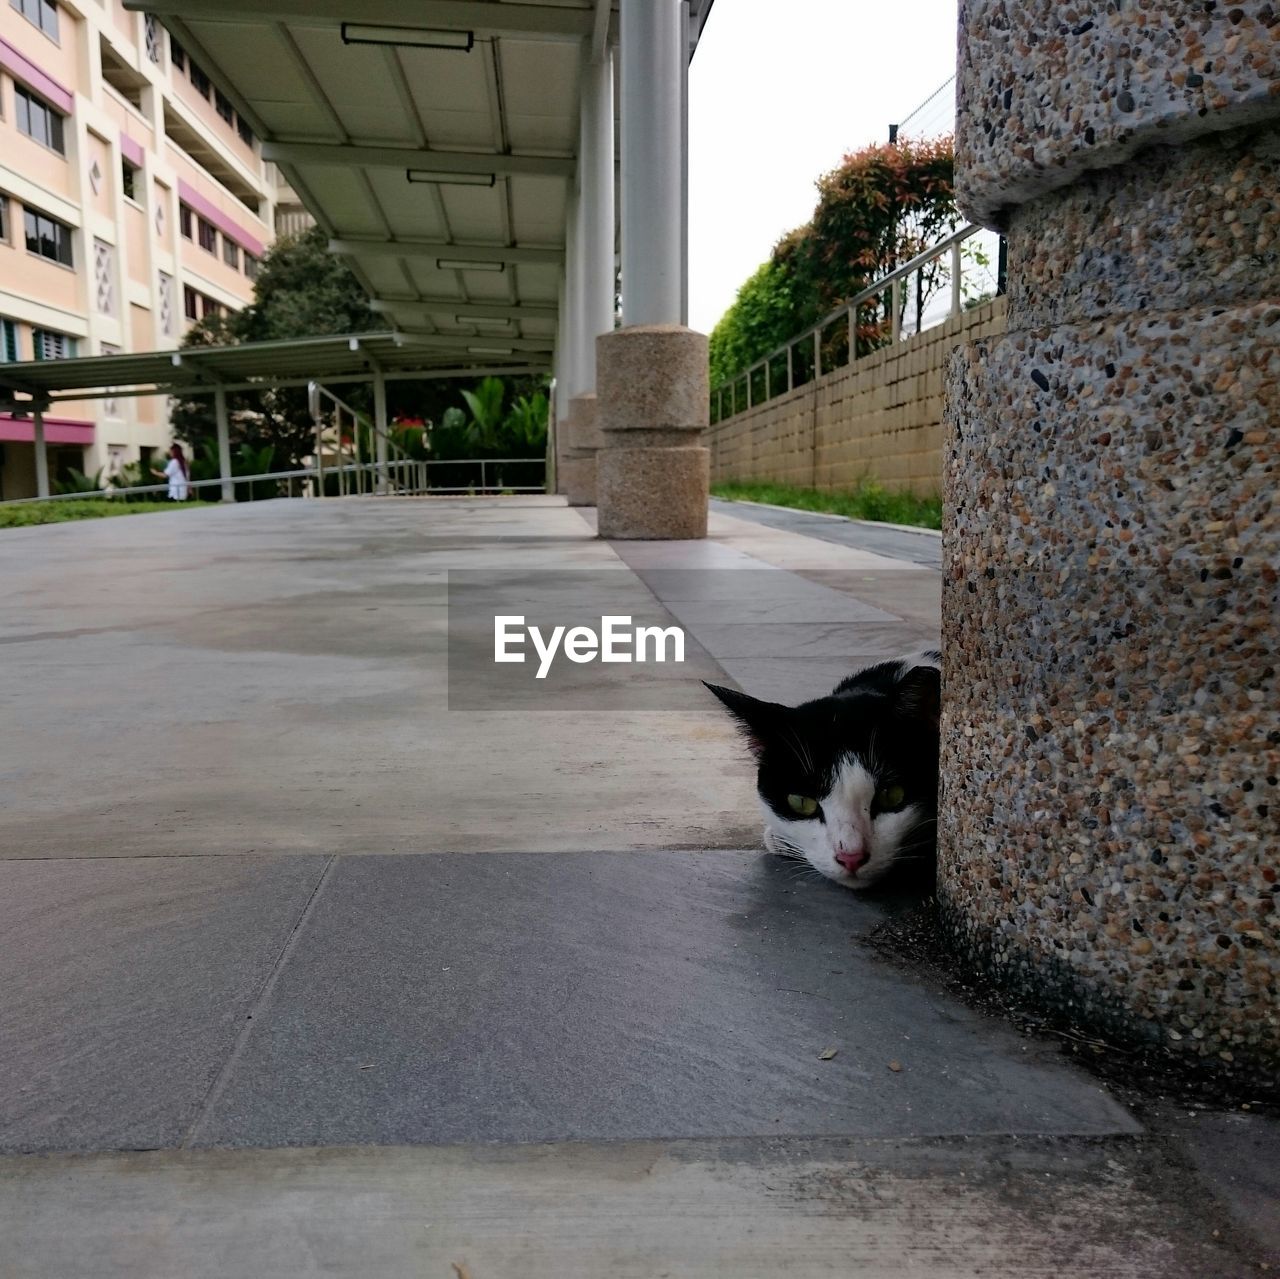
x=877, y=419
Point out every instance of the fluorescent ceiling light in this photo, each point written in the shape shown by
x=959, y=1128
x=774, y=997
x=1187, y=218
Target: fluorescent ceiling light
x=469, y=264
x=482, y=319
x=418, y=37
x=457, y=179
x=490, y=350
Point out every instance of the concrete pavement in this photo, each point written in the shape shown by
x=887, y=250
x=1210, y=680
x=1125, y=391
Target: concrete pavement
x=373, y=987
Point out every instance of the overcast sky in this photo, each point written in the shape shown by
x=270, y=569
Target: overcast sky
x=779, y=91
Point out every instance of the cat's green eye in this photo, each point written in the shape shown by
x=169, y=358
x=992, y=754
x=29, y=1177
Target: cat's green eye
x=802, y=805
x=890, y=798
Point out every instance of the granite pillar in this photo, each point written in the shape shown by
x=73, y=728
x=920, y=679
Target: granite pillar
x=653, y=471
x=583, y=439
x=1111, y=737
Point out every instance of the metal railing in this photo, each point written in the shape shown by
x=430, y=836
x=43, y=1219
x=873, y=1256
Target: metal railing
x=404, y=477
x=806, y=348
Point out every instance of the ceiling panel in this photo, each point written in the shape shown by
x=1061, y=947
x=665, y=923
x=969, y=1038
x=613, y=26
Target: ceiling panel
x=412, y=208
x=477, y=213
x=538, y=209
x=538, y=285
x=385, y=275
x=374, y=115
x=541, y=78
x=343, y=197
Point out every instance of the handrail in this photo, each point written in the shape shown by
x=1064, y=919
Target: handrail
x=410, y=475
x=849, y=308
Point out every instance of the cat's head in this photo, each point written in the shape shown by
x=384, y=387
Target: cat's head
x=849, y=782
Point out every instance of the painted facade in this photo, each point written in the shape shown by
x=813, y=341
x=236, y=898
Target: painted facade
x=133, y=200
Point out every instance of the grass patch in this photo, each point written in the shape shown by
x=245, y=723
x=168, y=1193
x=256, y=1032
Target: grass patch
x=85, y=508
x=865, y=502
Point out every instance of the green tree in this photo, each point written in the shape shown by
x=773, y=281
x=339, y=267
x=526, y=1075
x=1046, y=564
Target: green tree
x=764, y=315
x=879, y=208
x=526, y=425
x=485, y=403
x=302, y=290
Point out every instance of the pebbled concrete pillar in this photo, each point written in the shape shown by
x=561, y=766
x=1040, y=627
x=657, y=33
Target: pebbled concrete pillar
x=1111, y=737
x=653, y=470
x=583, y=439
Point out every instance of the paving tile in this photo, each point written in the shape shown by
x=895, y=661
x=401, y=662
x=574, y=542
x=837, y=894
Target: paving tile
x=802, y=1208
x=899, y=544
x=123, y=985
x=736, y=640
x=543, y=997
x=793, y=680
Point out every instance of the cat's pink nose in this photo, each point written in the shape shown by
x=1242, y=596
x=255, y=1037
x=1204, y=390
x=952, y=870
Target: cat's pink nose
x=852, y=861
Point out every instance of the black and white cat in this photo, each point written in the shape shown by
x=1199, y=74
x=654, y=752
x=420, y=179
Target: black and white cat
x=849, y=782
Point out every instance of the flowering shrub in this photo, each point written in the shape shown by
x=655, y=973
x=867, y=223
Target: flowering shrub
x=878, y=209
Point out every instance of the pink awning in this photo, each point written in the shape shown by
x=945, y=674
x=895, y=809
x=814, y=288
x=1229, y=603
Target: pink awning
x=57, y=430
x=131, y=149
x=211, y=213
x=22, y=68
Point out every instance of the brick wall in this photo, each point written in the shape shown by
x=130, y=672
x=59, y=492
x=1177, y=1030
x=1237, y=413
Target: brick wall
x=879, y=419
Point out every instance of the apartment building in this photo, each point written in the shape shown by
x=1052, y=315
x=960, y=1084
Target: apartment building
x=133, y=201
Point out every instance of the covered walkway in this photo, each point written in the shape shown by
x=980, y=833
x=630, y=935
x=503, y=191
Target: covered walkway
x=382, y=987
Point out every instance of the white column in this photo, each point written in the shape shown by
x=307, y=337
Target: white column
x=380, y=422
x=224, y=444
x=569, y=366
x=562, y=351
x=42, y=457
x=595, y=219
x=653, y=65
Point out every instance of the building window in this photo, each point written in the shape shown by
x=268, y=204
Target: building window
x=231, y=253
x=246, y=133
x=104, y=270
x=199, y=81
x=250, y=266
x=53, y=346
x=209, y=307
x=38, y=120
x=207, y=236
x=8, y=341
x=152, y=28
x=184, y=220
x=166, y=304
x=177, y=55
x=222, y=105
x=47, y=237
x=40, y=13
x=4, y=219
x=190, y=302
x=129, y=180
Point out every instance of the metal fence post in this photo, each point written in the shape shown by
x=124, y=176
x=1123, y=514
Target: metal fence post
x=748, y=388
x=791, y=382
x=895, y=301
x=817, y=354
x=224, y=444
x=313, y=396
x=955, y=279
x=768, y=394
x=853, y=334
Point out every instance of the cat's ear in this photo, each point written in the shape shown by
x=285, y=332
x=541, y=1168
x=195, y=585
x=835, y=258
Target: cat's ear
x=758, y=720
x=920, y=694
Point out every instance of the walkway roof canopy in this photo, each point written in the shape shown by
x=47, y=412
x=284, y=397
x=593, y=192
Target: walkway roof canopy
x=250, y=365
x=434, y=141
